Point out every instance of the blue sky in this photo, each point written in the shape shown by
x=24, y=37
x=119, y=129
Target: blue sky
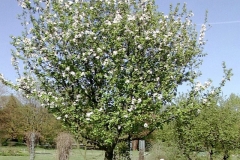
x=223, y=38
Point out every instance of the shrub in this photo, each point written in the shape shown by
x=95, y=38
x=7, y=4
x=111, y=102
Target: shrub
x=122, y=151
x=64, y=145
x=162, y=150
x=12, y=152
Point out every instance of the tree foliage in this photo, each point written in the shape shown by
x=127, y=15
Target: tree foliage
x=3, y=93
x=11, y=119
x=16, y=120
x=213, y=129
x=37, y=119
x=107, y=68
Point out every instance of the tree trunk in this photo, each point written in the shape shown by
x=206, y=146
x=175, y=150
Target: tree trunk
x=226, y=155
x=141, y=155
x=135, y=145
x=211, y=154
x=187, y=155
x=109, y=154
x=32, y=146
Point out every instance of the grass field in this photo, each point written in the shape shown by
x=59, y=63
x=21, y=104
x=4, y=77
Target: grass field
x=79, y=154
x=50, y=154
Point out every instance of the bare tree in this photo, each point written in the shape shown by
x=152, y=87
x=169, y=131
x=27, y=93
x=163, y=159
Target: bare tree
x=3, y=92
x=64, y=145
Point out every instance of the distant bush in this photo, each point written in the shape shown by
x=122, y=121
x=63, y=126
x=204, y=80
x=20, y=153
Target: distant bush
x=161, y=150
x=64, y=145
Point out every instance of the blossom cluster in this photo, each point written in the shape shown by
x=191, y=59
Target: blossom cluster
x=200, y=86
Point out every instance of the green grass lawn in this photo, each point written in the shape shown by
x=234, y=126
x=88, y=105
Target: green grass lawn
x=79, y=154
x=50, y=154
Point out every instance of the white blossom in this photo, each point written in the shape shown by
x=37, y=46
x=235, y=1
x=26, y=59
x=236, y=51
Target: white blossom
x=145, y=125
x=149, y=72
x=78, y=96
x=130, y=109
x=147, y=38
x=99, y=50
x=131, y=17
x=115, y=53
x=155, y=94
x=119, y=127
x=117, y=18
x=198, y=111
x=212, y=92
x=22, y=4
x=72, y=73
x=106, y=61
x=133, y=100
x=198, y=86
x=67, y=69
x=83, y=74
x=70, y=2
x=207, y=84
x=140, y=46
x=89, y=114
x=139, y=100
x=188, y=22
x=108, y=22
x=204, y=100
x=14, y=61
x=159, y=96
x=202, y=34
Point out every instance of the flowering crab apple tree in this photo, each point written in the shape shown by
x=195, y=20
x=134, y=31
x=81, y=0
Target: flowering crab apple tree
x=106, y=68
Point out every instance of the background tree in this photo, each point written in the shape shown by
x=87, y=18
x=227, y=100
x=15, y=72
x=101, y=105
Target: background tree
x=3, y=101
x=217, y=130
x=38, y=120
x=232, y=102
x=183, y=127
x=229, y=128
x=17, y=120
x=3, y=93
x=11, y=119
x=3, y=89
x=107, y=68
x=213, y=129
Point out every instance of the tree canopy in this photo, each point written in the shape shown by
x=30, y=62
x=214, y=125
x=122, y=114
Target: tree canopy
x=214, y=130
